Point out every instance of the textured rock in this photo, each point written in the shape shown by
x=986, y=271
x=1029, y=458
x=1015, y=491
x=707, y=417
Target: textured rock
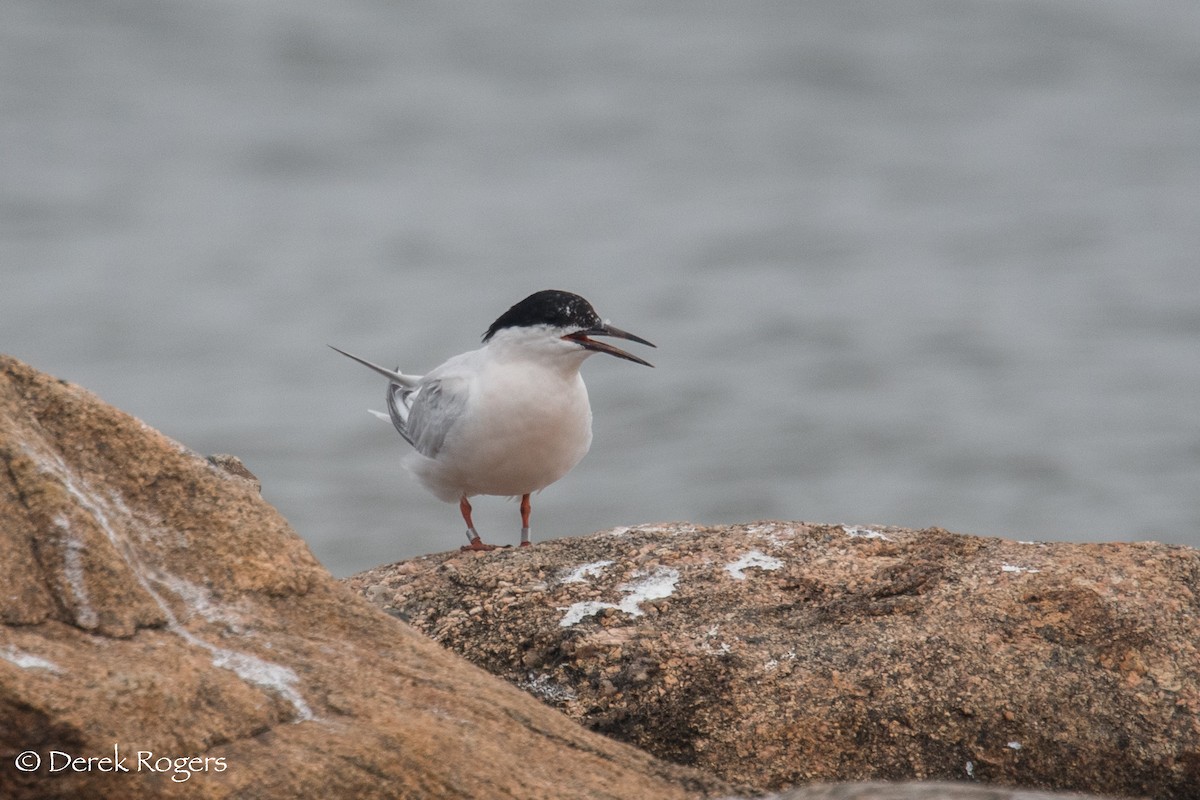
x=151, y=601
x=777, y=654
x=919, y=791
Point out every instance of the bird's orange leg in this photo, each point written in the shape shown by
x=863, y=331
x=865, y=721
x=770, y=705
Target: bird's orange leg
x=476, y=543
x=525, y=509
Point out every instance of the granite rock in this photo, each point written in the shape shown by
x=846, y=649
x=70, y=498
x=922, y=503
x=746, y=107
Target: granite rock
x=776, y=654
x=920, y=791
x=151, y=602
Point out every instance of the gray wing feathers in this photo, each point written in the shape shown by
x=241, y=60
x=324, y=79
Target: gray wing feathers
x=397, y=406
x=423, y=409
x=434, y=409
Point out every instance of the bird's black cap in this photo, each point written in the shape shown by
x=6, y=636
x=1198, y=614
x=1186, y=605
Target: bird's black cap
x=551, y=307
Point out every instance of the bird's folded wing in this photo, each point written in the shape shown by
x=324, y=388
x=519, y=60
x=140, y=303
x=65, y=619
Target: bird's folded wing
x=398, y=402
x=436, y=408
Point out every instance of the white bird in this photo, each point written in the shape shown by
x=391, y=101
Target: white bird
x=510, y=418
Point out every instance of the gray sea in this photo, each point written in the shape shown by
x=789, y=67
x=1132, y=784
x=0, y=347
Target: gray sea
x=910, y=262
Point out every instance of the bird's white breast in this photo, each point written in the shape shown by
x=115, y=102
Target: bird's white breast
x=525, y=425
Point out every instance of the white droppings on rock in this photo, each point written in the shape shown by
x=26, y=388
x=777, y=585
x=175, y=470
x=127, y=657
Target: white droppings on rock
x=706, y=646
x=772, y=664
x=767, y=530
x=577, y=612
x=754, y=559
x=583, y=571
x=28, y=660
x=655, y=586
x=249, y=668
x=1014, y=745
x=1016, y=569
x=73, y=550
x=273, y=677
x=200, y=602
x=778, y=536
x=673, y=529
x=856, y=532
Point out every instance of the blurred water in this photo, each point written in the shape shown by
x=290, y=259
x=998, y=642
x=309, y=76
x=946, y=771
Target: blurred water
x=915, y=262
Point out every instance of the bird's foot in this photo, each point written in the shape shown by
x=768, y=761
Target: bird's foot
x=477, y=544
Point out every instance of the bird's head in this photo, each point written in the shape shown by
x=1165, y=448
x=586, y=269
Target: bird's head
x=553, y=316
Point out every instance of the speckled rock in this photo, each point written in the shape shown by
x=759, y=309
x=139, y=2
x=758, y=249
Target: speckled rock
x=920, y=791
x=151, y=602
x=776, y=654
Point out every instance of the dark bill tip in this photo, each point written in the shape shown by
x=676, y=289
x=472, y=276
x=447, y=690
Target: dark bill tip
x=582, y=339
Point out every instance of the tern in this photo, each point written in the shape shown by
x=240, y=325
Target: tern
x=510, y=418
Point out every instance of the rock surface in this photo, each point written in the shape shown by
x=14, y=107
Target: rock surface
x=778, y=654
x=919, y=791
x=151, y=601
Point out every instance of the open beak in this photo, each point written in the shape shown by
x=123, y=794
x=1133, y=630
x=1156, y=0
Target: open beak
x=604, y=329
